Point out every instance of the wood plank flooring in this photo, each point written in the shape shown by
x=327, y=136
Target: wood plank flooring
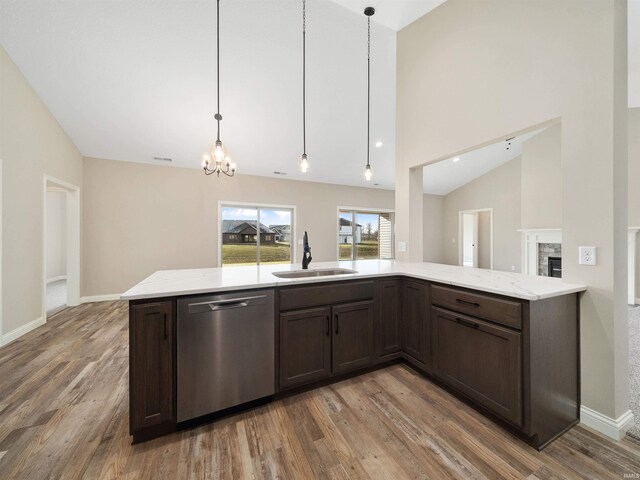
x=64, y=414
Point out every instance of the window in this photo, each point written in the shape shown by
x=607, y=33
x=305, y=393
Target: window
x=259, y=234
x=364, y=234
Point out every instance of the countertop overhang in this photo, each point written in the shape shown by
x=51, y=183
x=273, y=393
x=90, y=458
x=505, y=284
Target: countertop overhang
x=169, y=283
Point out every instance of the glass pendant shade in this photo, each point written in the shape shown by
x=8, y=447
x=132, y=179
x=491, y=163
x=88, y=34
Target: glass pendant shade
x=368, y=173
x=304, y=164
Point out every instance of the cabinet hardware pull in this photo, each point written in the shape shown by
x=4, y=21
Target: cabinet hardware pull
x=467, y=324
x=165, y=326
x=464, y=302
x=337, y=323
x=328, y=325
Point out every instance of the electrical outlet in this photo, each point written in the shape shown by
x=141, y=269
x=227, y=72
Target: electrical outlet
x=513, y=268
x=587, y=255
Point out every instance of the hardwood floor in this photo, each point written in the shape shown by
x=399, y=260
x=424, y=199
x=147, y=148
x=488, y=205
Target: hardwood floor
x=64, y=414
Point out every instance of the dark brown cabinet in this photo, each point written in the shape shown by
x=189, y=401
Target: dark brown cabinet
x=323, y=339
x=414, y=320
x=305, y=346
x=481, y=360
x=151, y=369
x=352, y=336
x=389, y=317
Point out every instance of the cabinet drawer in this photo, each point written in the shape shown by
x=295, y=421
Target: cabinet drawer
x=504, y=312
x=326, y=294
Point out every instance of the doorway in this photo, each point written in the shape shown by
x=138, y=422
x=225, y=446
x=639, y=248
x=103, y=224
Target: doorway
x=61, y=246
x=475, y=238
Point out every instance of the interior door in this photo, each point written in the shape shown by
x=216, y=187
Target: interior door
x=470, y=239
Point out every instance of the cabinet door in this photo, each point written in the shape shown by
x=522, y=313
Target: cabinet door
x=352, y=336
x=305, y=346
x=151, y=361
x=481, y=360
x=389, y=317
x=414, y=320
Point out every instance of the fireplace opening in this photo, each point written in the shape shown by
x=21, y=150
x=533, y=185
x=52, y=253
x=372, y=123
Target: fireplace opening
x=555, y=267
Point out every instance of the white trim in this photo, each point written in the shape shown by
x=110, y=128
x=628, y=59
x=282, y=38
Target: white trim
x=631, y=266
x=460, y=242
x=22, y=330
x=73, y=240
x=56, y=279
x=531, y=237
x=264, y=206
x=615, y=429
x=100, y=298
x=356, y=210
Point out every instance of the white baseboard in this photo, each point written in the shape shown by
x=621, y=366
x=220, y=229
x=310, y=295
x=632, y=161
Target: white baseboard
x=20, y=331
x=56, y=279
x=100, y=298
x=615, y=429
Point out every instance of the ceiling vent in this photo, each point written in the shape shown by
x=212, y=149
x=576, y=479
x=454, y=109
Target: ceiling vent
x=279, y=173
x=163, y=159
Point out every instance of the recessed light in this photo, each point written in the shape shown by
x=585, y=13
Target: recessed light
x=456, y=159
x=379, y=144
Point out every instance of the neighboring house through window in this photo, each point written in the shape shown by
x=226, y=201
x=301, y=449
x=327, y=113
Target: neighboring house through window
x=365, y=234
x=255, y=234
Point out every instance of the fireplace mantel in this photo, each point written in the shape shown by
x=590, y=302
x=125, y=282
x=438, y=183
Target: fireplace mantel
x=530, y=240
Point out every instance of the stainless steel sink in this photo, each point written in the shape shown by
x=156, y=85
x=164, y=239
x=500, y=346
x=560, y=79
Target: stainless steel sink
x=319, y=272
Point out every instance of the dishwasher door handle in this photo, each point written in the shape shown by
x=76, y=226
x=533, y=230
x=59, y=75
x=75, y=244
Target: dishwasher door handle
x=225, y=304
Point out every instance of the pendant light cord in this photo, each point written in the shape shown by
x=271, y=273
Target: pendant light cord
x=218, y=116
x=304, y=77
x=368, y=85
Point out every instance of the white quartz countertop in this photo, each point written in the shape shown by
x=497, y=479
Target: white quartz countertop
x=169, y=283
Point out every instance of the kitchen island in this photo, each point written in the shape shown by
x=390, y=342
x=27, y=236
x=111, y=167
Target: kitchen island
x=504, y=342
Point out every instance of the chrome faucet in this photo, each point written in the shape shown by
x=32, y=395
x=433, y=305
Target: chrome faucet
x=306, y=256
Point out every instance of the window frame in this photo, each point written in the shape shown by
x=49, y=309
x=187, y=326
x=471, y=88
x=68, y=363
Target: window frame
x=354, y=211
x=256, y=206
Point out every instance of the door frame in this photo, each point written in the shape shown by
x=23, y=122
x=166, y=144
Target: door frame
x=354, y=212
x=460, y=233
x=257, y=206
x=73, y=240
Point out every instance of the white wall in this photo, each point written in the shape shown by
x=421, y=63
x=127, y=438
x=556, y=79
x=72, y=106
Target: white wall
x=473, y=73
x=32, y=144
x=433, y=221
x=142, y=218
x=542, y=180
x=56, y=234
x=500, y=190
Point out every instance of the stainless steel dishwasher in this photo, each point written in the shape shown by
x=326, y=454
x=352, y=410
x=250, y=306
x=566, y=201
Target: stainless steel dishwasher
x=225, y=351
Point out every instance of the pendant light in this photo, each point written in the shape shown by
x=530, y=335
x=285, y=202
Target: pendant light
x=369, y=11
x=217, y=161
x=303, y=164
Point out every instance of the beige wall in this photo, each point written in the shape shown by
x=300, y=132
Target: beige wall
x=31, y=144
x=473, y=73
x=142, y=218
x=542, y=180
x=500, y=190
x=433, y=222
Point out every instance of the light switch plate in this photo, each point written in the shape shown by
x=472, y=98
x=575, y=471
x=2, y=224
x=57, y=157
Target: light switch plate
x=402, y=246
x=587, y=255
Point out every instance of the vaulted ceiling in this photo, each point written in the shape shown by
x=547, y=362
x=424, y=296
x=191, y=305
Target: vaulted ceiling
x=135, y=80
